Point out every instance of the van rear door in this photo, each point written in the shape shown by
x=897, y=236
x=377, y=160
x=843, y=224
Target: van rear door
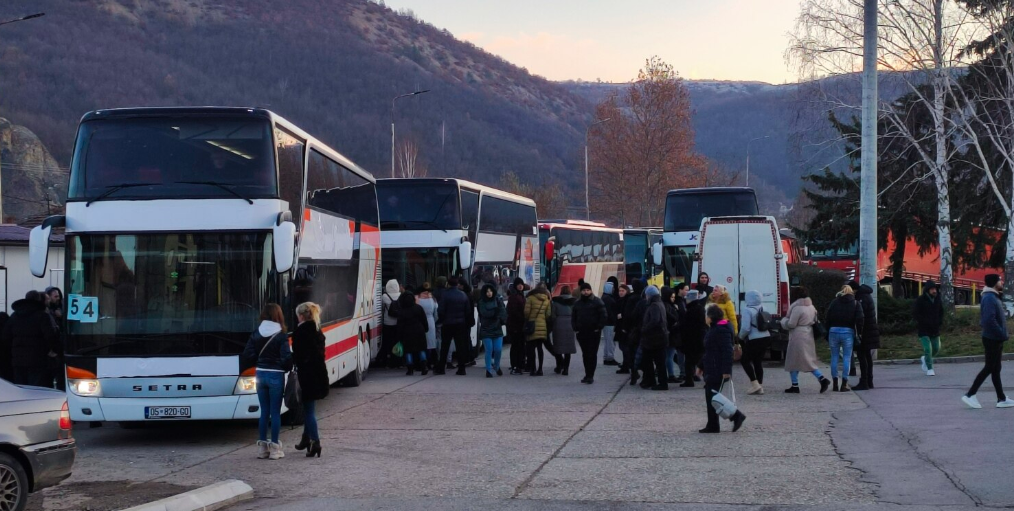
x=720, y=254
x=758, y=242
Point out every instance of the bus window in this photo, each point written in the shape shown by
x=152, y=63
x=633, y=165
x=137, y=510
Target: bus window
x=419, y=205
x=684, y=212
x=678, y=263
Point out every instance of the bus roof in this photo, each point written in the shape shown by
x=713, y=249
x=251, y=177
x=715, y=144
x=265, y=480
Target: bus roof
x=577, y=225
x=234, y=111
x=715, y=189
x=468, y=185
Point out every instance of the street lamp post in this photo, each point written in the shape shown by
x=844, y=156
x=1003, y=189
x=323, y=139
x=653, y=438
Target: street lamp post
x=416, y=93
x=752, y=140
x=587, y=208
x=23, y=18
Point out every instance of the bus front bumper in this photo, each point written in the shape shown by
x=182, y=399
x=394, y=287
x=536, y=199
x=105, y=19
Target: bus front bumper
x=91, y=409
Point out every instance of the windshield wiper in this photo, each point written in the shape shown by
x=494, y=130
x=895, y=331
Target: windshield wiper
x=115, y=188
x=220, y=185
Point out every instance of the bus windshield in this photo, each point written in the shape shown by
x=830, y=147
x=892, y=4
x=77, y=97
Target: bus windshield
x=684, y=212
x=418, y=205
x=166, y=294
x=174, y=157
x=414, y=266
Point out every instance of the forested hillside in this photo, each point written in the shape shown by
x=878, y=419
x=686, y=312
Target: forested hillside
x=331, y=67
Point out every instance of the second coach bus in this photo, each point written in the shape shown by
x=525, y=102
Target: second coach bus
x=576, y=250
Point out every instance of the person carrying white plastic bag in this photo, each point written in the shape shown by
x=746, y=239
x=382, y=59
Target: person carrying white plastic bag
x=716, y=368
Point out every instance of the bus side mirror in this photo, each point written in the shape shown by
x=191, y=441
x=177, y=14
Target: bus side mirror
x=284, y=240
x=656, y=254
x=38, y=244
x=38, y=250
x=465, y=255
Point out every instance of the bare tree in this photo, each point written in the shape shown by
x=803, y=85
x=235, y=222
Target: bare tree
x=920, y=43
x=407, y=156
x=550, y=201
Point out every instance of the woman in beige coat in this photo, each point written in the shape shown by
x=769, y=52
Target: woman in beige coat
x=538, y=310
x=801, y=354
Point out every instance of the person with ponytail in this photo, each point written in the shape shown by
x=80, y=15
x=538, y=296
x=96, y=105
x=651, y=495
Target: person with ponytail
x=314, y=382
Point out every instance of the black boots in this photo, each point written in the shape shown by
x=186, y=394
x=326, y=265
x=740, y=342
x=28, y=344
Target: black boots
x=314, y=449
x=794, y=389
x=737, y=420
x=825, y=383
x=303, y=442
x=835, y=387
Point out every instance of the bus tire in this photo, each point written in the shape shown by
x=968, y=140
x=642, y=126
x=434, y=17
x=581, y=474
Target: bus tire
x=355, y=378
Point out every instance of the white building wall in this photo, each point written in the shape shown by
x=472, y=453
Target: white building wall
x=18, y=279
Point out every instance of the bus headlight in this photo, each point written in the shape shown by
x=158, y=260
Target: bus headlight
x=86, y=388
x=246, y=385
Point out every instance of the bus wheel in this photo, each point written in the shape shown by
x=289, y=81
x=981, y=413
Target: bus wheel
x=355, y=378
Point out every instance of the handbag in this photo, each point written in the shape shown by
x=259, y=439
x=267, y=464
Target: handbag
x=819, y=330
x=530, y=324
x=737, y=352
x=293, y=392
x=724, y=406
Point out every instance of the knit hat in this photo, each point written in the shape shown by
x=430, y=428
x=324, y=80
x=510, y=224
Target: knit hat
x=992, y=279
x=652, y=291
x=585, y=285
x=929, y=284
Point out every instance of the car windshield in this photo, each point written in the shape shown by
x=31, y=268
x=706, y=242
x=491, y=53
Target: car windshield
x=165, y=294
x=174, y=157
x=684, y=212
x=419, y=205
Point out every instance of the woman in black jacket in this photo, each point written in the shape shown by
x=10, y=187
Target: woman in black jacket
x=695, y=327
x=716, y=366
x=844, y=320
x=412, y=328
x=871, y=337
x=314, y=382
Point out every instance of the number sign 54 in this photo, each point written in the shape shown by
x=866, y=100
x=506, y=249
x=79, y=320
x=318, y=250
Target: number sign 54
x=83, y=308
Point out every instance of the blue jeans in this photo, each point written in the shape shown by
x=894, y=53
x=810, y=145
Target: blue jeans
x=841, y=340
x=421, y=358
x=310, y=420
x=670, y=364
x=270, y=388
x=494, y=348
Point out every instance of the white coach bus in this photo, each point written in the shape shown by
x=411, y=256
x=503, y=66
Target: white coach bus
x=450, y=227
x=181, y=224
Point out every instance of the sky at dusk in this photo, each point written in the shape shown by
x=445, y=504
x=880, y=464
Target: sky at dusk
x=610, y=40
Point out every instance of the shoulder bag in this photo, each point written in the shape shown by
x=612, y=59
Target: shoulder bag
x=724, y=406
x=530, y=324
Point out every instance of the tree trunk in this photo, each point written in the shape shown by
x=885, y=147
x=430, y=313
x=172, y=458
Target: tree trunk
x=941, y=172
x=1008, y=263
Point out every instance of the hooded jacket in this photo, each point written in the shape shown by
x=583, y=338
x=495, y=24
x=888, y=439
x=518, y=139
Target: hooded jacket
x=455, y=308
x=538, y=309
x=871, y=330
x=564, y=338
x=992, y=316
x=412, y=324
x=695, y=327
x=274, y=357
x=611, y=302
x=717, y=359
x=492, y=314
x=391, y=293
x=929, y=312
x=676, y=312
x=655, y=325
x=308, y=357
x=634, y=313
x=748, y=319
x=31, y=334
x=727, y=307
x=516, y=310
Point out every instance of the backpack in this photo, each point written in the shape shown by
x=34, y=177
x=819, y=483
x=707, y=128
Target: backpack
x=763, y=320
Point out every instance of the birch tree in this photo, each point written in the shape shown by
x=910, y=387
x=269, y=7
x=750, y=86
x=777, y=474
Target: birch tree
x=407, y=157
x=920, y=42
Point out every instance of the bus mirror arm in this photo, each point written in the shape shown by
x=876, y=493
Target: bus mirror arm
x=284, y=240
x=38, y=244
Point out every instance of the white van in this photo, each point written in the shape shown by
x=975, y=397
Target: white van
x=744, y=253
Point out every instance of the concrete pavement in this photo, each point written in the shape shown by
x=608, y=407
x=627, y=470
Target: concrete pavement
x=522, y=442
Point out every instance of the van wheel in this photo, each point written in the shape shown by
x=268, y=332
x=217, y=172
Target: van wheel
x=13, y=484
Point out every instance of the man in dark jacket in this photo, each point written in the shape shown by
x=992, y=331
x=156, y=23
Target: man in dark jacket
x=455, y=316
x=587, y=319
x=629, y=346
x=871, y=337
x=516, y=325
x=654, y=340
x=635, y=332
x=993, y=319
x=33, y=338
x=929, y=316
x=610, y=298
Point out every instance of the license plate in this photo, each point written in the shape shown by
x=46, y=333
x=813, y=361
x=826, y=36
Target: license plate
x=167, y=412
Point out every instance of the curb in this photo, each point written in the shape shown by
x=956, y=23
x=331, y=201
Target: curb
x=209, y=498
x=943, y=360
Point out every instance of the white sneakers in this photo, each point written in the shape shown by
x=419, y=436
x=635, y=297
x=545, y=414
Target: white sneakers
x=755, y=388
x=922, y=359
x=931, y=373
x=262, y=450
x=266, y=450
x=1006, y=403
x=971, y=401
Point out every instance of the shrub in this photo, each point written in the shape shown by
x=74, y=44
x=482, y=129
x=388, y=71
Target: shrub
x=895, y=315
x=822, y=285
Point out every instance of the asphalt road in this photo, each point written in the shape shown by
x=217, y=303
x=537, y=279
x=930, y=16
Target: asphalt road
x=521, y=442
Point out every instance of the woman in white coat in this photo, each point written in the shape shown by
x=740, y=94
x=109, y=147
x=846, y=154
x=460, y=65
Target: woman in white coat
x=801, y=354
x=429, y=306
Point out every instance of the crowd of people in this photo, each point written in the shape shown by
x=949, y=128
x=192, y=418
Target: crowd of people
x=31, y=352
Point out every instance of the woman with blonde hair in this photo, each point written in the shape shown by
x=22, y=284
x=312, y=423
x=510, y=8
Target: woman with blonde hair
x=268, y=351
x=314, y=382
x=720, y=297
x=844, y=321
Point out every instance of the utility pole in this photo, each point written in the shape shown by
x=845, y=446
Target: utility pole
x=23, y=18
x=868, y=191
x=587, y=204
x=416, y=93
